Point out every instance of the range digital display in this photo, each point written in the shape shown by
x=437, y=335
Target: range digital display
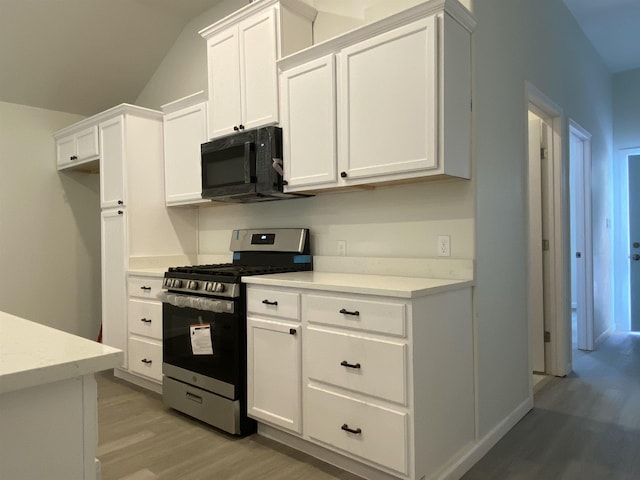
x=263, y=239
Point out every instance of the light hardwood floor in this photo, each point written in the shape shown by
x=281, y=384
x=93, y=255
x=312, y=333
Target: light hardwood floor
x=141, y=439
x=585, y=426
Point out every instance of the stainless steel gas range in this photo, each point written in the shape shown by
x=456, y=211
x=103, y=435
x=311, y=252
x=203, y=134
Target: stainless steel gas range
x=204, y=325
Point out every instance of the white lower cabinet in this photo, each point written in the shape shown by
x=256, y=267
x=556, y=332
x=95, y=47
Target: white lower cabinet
x=386, y=381
x=144, y=314
x=360, y=428
x=274, y=391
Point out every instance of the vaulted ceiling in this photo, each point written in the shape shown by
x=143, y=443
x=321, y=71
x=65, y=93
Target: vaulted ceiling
x=58, y=54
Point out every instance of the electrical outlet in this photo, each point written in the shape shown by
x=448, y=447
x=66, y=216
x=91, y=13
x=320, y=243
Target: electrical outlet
x=444, y=246
x=342, y=247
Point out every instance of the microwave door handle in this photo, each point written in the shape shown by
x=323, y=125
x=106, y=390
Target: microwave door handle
x=277, y=166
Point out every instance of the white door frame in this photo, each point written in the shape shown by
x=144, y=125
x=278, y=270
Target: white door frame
x=584, y=240
x=558, y=324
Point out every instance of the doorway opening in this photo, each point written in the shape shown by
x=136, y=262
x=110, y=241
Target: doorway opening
x=548, y=266
x=582, y=305
x=626, y=234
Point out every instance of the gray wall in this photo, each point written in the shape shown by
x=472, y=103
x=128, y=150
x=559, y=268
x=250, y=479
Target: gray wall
x=49, y=226
x=536, y=41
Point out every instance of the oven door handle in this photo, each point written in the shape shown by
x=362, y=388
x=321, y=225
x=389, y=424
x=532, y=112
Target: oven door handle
x=199, y=303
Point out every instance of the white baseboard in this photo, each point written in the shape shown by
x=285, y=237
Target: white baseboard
x=486, y=443
x=602, y=337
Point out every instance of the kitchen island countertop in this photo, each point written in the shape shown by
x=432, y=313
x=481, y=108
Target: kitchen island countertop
x=32, y=354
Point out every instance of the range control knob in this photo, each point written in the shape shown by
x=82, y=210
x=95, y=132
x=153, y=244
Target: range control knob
x=193, y=285
x=218, y=287
x=167, y=282
x=177, y=283
x=208, y=286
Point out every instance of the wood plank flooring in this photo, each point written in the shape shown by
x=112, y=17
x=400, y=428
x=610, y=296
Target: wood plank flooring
x=141, y=439
x=585, y=426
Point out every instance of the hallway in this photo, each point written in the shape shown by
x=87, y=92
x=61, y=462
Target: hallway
x=585, y=426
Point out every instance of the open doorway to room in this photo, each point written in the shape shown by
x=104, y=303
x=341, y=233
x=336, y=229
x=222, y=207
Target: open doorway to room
x=548, y=267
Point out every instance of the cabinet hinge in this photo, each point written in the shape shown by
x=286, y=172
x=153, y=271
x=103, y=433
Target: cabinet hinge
x=545, y=245
x=547, y=337
x=543, y=153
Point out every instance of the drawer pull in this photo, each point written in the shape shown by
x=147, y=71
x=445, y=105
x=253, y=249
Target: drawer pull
x=193, y=397
x=347, y=312
x=267, y=302
x=146, y=361
x=145, y=288
x=346, y=428
x=292, y=331
x=145, y=320
x=344, y=363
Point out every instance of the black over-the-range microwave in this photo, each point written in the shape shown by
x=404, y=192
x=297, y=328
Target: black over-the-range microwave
x=244, y=167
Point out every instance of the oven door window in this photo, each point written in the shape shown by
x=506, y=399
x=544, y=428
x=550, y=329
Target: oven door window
x=231, y=165
x=184, y=344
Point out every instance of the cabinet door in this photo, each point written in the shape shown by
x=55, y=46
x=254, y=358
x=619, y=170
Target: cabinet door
x=309, y=123
x=87, y=143
x=388, y=107
x=258, y=73
x=224, y=83
x=114, y=293
x=112, y=172
x=184, y=131
x=273, y=373
x=66, y=150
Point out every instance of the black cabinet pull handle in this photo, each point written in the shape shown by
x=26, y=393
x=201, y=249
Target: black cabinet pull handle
x=343, y=174
x=292, y=331
x=347, y=312
x=148, y=362
x=145, y=320
x=73, y=157
x=267, y=302
x=235, y=128
x=120, y=212
x=346, y=428
x=344, y=363
x=241, y=127
x=145, y=288
x=120, y=202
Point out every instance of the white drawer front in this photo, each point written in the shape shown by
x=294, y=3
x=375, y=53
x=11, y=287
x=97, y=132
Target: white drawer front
x=273, y=302
x=382, y=317
x=145, y=318
x=145, y=358
x=383, y=433
x=144, y=287
x=371, y=366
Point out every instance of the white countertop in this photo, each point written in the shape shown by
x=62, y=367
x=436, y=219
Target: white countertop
x=390, y=286
x=148, y=272
x=33, y=354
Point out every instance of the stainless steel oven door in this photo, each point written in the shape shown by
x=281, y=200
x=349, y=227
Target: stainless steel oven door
x=203, y=347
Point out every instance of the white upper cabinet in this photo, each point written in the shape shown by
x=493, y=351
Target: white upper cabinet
x=112, y=174
x=242, y=50
x=185, y=129
x=389, y=102
x=309, y=122
x=77, y=148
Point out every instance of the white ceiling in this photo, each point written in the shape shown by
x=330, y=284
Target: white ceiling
x=613, y=26
x=84, y=56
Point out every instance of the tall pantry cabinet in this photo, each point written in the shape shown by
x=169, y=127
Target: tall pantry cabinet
x=134, y=219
